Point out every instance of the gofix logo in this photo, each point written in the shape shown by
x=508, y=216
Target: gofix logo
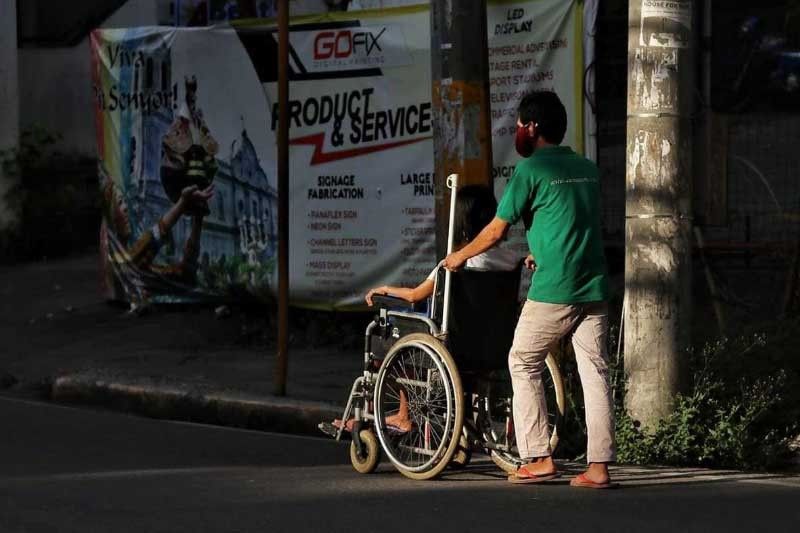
x=344, y=43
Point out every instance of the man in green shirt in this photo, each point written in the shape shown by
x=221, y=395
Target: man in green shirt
x=557, y=193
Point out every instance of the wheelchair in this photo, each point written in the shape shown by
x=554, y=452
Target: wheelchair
x=456, y=385
x=447, y=368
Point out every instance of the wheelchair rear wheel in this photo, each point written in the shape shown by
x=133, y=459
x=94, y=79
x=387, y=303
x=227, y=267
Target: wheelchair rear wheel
x=420, y=378
x=498, y=423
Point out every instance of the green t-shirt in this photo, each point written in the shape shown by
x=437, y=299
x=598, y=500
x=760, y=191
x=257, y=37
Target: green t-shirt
x=559, y=191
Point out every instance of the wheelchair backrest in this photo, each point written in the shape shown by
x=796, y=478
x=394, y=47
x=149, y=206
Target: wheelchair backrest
x=484, y=307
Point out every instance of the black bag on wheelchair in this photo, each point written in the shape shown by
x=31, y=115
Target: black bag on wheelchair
x=483, y=315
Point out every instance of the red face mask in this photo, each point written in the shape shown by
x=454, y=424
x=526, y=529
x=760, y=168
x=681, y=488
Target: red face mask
x=523, y=141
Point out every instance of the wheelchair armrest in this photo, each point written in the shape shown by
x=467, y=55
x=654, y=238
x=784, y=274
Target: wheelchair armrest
x=382, y=301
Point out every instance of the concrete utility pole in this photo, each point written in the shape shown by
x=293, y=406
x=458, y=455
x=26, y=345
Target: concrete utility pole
x=661, y=48
x=9, y=101
x=462, y=127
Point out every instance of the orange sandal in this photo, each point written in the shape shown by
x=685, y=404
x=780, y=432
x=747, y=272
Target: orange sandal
x=523, y=476
x=584, y=482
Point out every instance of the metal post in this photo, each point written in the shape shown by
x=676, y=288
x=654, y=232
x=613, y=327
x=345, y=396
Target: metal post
x=9, y=102
x=462, y=142
x=661, y=68
x=452, y=184
x=282, y=362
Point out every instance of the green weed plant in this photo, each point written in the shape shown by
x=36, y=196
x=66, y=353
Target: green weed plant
x=739, y=409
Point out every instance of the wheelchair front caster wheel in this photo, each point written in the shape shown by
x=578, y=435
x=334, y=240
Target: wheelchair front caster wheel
x=366, y=463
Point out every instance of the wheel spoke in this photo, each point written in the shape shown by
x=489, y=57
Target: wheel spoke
x=414, y=372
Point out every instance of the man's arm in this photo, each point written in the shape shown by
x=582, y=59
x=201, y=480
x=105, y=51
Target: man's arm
x=488, y=237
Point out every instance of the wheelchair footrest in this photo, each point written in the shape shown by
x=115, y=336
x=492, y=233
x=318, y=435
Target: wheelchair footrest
x=328, y=428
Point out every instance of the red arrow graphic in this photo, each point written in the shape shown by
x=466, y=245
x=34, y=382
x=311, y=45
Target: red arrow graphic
x=318, y=139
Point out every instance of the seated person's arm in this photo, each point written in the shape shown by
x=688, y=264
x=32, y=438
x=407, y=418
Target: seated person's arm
x=420, y=292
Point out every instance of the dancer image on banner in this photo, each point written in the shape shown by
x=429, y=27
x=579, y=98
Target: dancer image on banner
x=188, y=168
x=189, y=149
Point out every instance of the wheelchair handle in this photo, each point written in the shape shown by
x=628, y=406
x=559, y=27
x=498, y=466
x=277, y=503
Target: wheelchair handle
x=452, y=184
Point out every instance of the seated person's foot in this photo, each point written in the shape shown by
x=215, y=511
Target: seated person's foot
x=395, y=422
x=348, y=426
x=400, y=423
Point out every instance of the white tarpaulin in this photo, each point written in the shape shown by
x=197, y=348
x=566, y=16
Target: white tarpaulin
x=361, y=169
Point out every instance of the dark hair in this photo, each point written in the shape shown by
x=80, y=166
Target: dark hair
x=545, y=109
x=475, y=208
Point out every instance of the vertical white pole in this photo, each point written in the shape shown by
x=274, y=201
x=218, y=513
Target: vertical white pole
x=9, y=101
x=452, y=184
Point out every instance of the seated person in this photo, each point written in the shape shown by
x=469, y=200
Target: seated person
x=475, y=208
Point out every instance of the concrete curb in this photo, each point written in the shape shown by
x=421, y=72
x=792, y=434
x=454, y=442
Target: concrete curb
x=180, y=402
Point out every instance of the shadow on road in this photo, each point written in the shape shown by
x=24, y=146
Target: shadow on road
x=632, y=476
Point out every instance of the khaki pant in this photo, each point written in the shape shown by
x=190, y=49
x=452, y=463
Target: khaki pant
x=540, y=326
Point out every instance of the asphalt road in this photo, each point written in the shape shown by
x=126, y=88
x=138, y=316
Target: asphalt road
x=66, y=469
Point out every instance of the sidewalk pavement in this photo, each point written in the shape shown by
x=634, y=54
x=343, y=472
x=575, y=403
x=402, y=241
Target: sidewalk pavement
x=61, y=341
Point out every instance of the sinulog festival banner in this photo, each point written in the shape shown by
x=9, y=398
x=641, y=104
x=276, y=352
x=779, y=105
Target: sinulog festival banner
x=186, y=134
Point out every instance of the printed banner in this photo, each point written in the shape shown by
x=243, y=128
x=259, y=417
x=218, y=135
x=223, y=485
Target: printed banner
x=179, y=112
x=178, y=109
x=534, y=45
